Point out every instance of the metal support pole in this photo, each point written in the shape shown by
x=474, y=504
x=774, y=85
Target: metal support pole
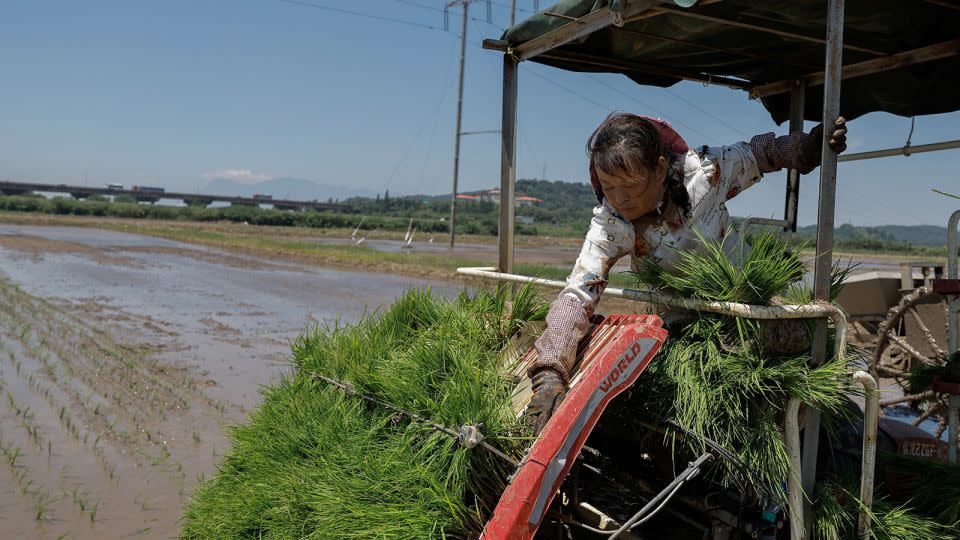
x=906, y=151
x=953, y=243
x=508, y=163
x=791, y=436
x=871, y=417
x=825, y=224
x=952, y=328
x=513, y=12
x=797, y=99
x=954, y=423
x=456, y=144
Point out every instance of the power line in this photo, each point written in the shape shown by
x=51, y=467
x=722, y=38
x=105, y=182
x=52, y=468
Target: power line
x=646, y=105
x=508, y=7
x=708, y=113
x=445, y=13
x=419, y=5
x=574, y=92
x=360, y=14
x=418, y=137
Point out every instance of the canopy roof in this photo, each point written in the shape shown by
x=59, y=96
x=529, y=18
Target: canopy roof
x=899, y=56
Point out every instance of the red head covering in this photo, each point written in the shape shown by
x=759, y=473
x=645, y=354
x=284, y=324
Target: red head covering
x=671, y=140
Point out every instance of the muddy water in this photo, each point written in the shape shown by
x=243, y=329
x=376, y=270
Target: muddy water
x=123, y=357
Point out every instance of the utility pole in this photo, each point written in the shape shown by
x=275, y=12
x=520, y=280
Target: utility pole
x=456, y=144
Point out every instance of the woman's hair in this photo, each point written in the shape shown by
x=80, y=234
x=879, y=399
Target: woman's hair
x=624, y=144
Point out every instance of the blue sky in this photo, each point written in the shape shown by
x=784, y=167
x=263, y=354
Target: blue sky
x=175, y=92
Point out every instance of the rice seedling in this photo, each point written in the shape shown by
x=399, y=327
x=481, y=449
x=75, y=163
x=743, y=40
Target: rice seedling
x=836, y=509
x=94, y=508
x=938, y=494
x=79, y=498
x=22, y=481
x=13, y=453
x=715, y=375
x=315, y=462
x=41, y=503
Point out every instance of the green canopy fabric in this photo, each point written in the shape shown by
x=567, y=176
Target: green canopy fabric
x=660, y=46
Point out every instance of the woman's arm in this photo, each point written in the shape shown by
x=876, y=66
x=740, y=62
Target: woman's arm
x=798, y=150
x=608, y=239
x=739, y=166
x=568, y=320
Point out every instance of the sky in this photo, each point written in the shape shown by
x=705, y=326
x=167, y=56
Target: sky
x=363, y=94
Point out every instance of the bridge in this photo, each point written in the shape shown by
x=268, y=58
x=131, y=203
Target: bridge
x=152, y=195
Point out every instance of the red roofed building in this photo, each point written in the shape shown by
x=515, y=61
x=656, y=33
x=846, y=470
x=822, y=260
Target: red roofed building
x=523, y=200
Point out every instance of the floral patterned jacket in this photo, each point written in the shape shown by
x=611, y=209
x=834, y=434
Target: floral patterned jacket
x=712, y=176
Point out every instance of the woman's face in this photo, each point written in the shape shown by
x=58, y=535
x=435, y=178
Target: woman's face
x=638, y=195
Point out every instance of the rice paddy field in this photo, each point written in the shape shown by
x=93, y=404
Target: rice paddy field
x=123, y=361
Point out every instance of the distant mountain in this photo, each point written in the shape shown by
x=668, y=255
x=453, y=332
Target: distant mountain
x=284, y=188
x=919, y=235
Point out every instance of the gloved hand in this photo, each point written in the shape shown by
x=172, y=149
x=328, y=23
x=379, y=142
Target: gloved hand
x=548, y=393
x=814, y=143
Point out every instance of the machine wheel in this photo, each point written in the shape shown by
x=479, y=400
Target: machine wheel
x=894, y=356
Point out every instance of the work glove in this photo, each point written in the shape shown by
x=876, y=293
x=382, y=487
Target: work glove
x=814, y=143
x=548, y=392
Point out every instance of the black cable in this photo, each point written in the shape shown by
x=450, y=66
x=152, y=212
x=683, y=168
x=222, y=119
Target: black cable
x=348, y=389
x=661, y=499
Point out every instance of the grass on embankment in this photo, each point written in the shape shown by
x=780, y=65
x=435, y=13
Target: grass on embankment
x=306, y=247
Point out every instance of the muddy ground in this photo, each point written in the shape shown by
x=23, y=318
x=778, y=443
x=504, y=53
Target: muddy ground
x=123, y=358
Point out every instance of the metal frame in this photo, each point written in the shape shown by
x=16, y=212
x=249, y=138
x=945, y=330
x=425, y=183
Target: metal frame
x=953, y=331
x=871, y=416
x=765, y=28
x=907, y=150
x=578, y=28
x=886, y=63
x=820, y=310
x=545, y=46
x=953, y=273
x=508, y=163
x=622, y=65
x=824, y=255
x=815, y=310
x=798, y=96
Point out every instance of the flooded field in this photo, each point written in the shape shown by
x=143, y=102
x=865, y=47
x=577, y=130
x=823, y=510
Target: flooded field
x=124, y=357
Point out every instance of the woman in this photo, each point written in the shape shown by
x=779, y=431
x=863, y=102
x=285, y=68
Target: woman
x=653, y=191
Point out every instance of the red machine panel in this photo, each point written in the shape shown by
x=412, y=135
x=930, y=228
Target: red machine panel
x=617, y=352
